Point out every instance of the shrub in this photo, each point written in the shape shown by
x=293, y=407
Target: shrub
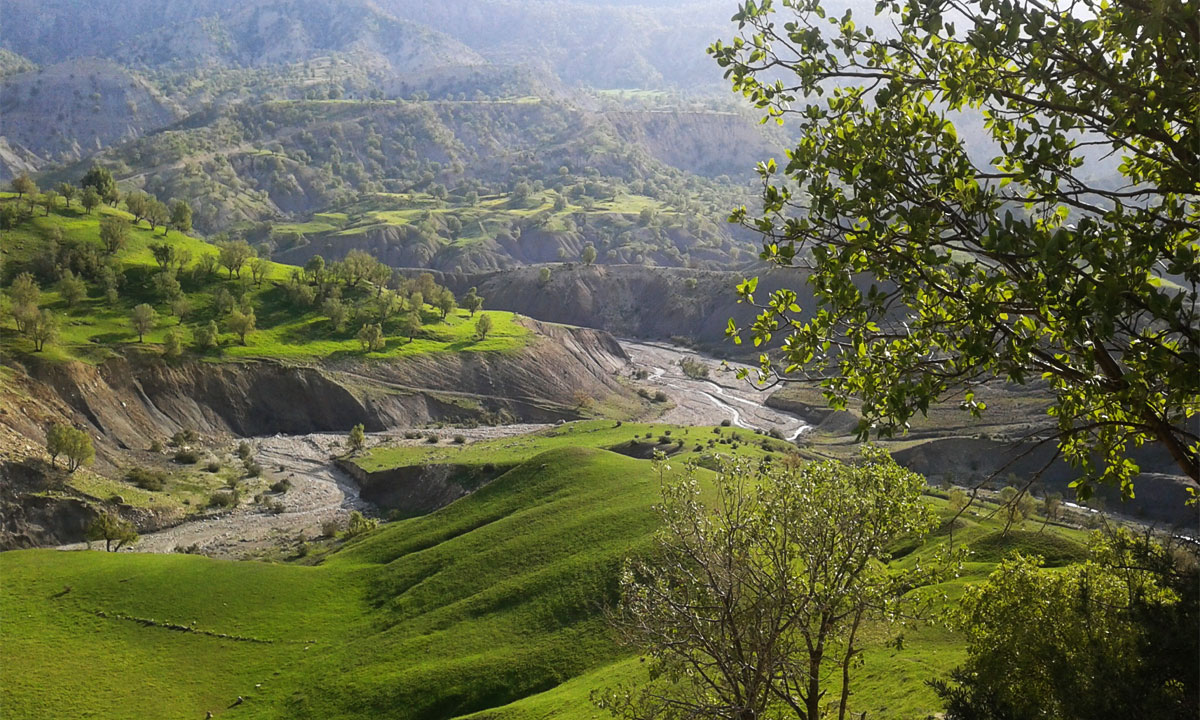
x=775, y=433
x=660, y=397
x=223, y=499
x=330, y=528
x=360, y=524
x=411, y=434
x=431, y=438
x=281, y=486
x=726, y=422
x=459, y=439
x=156, y=446
x=244, y=450
x=146, y=479
x=302, y=549
x=694, y=369
x=253, y=469
x=213, y=466
x=186, y=457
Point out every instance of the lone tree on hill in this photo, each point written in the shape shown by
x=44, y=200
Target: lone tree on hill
x=589, y=255
x=761, y=596
x=934, y=267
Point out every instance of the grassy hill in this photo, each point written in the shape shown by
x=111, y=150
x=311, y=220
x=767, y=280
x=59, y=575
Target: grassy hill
x=490, y=606
x=94, y=327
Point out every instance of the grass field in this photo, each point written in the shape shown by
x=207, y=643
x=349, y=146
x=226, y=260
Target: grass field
x=699, y=444
x=93, y=329
x=490, y=606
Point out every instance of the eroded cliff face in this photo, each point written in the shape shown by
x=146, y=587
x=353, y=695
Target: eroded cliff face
x=129, y=401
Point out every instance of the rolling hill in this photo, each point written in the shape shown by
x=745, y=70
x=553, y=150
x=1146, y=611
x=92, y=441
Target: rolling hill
x=492, y=605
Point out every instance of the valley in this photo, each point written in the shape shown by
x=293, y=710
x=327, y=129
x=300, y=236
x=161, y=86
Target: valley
x=380, y=359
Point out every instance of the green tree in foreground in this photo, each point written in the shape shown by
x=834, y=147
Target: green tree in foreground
x=483, y=326
x=73, y=444
x=933, y=267
x=142, y=319
x=1116, y=636
x=358, y=438
x=115, y=531
x=760, y=597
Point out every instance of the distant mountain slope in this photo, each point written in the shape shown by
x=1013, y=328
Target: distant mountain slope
x=67, y=111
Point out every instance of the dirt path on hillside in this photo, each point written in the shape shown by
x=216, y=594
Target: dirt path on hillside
x=707, y=402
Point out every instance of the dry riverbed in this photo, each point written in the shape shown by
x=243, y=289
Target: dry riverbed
x=320, y=492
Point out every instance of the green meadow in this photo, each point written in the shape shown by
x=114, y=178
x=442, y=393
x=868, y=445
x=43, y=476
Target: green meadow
x=490, y=607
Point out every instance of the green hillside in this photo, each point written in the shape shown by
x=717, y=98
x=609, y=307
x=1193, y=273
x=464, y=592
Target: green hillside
x=287, y=325
x=492, y=605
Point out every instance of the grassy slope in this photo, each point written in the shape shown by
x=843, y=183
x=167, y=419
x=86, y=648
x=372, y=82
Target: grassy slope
x=593, y=433
x=90, y=330
x=488, y=606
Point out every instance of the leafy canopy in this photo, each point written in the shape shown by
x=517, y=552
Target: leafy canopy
x=933, y=266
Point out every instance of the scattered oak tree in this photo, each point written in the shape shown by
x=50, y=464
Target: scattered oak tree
x=116, y=532
x=241, y=322
x=933, y=266
x=371, y=337
x=73, y=444
x=42, y=328
x=142, y=319
x=483, y=326
x=113, y=233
